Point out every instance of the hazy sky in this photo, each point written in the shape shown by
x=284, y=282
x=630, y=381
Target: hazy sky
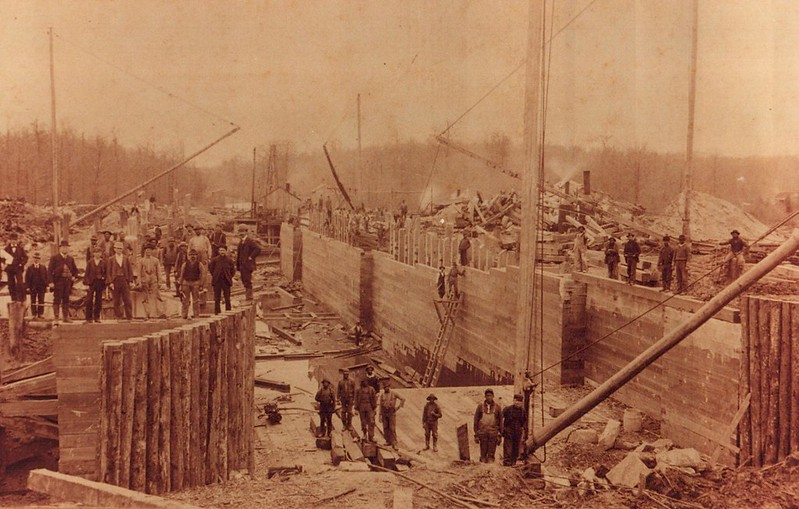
x=290, y=70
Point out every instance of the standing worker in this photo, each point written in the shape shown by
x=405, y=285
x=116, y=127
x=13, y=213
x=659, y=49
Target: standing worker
x=62, y=271
x=190, y=279
x=734, y=260
x=631, y=253
x=452, y=280
x=579, y=250
x=90, y=249
x=358, y=331
x=248, y=251
x=487, y=426
x=365, y=405
x=463, y=248
x=15, y=268
x=665, y=263
x=150, y=278
x=372, y=379
x=441, y=282
x=682, y=253
x=612, y=258
x=94, y=278
x=119, y=273
x=327, y=405
x=345, y=392
x=430, y=416
x=222, y=271
x=388, y=413
x=168, y=256
x=218, y=239
x=513, y=423
x=36, y=280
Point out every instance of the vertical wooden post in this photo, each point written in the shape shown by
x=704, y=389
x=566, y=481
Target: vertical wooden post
x=794, y=336
x=233, y=401
x=186, y=403
x=138, y=457
x=194, y=372
x=128, y=412
x=223, y=381
x=764, y=324
x=153, y=471
x=249, y=387
x=212, y=471
x=745, y=426
x=165, y=415
x=754, y=380
x=177, y=414
x=111, y=413
x=784, y=384
x=772, y=437
x=16, y=330
x=205, y=333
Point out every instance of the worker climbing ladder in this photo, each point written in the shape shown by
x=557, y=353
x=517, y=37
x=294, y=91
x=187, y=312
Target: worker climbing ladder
x=446, y=309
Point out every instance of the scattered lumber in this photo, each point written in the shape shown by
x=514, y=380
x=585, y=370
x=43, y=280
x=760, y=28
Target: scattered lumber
x=290, y=306
x=31, y=426
x=273, y=471
x=336, y=496
x=42, y=385
x=424, y=485
x=37, y=368
x=27, y=408
x=285, y=335
x=272, y=384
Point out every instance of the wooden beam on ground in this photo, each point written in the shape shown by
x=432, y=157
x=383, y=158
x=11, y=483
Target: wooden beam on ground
x=92, y=493
x=272, y=384
x=42, y=385
x=27, y=408
x=32, y=426
x=37, y=368
x=285, y=335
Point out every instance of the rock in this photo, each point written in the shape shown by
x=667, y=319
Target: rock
x=662, y=444
x=555, y=411
x=626, y=444
x=679, y=458
x=629, y=471
x=607, y=440
x=584, y=436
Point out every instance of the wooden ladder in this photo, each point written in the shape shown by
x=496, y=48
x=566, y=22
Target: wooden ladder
x=446, y=309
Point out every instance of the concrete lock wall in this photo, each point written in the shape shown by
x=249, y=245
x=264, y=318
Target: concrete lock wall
x=693, y=389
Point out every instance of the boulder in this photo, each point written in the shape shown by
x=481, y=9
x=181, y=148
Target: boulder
x=629, y=471
x=607, y=440
x=584, y=436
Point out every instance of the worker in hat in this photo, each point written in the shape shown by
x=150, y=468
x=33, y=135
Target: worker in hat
x=90, y=248
x=682, y=253
x=488, y=426
x=94, y=279
x=365, y=406
x=734, y=259
x=327, y=405
x=666, y=263
x=631, y=253
x=390, y=403
x=119, y=273
x=222, y=270
x=168, y=256
x=62, y=271
x=246, y=254
x=36, y=279
x=430, y=416
x=345, y=393
x=106, y=244
x=150, y=280
x=180, y=259
x=190, y=279
x=580, y=250
x=16, y=258
x=612, y=258
x=218, y=239
x=372, y=379
x=513, y=430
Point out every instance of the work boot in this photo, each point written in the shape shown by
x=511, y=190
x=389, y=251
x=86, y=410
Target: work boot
x=426, y=444
x=67, y=319
x=435, y=448
x=56, y=312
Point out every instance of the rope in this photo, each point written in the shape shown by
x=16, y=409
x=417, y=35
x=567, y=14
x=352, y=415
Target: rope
x=430, y=177
x=146, y=82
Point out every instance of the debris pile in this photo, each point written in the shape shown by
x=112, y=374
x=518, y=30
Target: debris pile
x=30, y=221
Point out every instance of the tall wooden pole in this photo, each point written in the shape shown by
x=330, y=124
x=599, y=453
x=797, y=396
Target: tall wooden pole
x=527, y=299
x=689, y=146
x=360, y=180
x=252, y=197
x=54, y=144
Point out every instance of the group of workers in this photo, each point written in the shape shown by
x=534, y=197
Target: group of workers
x=492, y=423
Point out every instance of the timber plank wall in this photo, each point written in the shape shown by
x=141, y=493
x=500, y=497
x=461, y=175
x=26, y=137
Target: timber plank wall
x=156, y=406
x=692, y=389
x=290, y=252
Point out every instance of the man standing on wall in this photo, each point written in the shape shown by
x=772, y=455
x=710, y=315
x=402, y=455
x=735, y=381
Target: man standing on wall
x=631, y=253
x=487, y=426
x=190, y=279
x=463, y=248
x=150, y=279
x=430, y=416
x=388, y=413
x=36, y=280
x=15, y=268
x=248, y=251
x=119, y=273
x=345, y=392
x=682, y=253
x=612, y=258
x=94, y=278
x=365, y=405
x=222, y=271
x=665, y=263
x=218, y=239
x=579, y=250
x=62, y=271
x=441, y=282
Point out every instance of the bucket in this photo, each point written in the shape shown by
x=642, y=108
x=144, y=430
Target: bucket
x=632, y=420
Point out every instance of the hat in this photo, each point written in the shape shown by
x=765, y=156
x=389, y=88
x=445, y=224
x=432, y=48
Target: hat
x=370, y=368
x=36, y=256
x=13, y=236
x=118, y=244
x=63, y=243
x=631, y=234
x=94, y=237
x=681, y=238
x=489, y=391
x=182, y=243
x=735, y=232
x=345, y=371
x=581, y=228
x=325, y=381
x=431, y=397
x=192, y=251
x=242, y=228
x=150, y=245
x=518, y=397
x=666, y=238
x=107, y=232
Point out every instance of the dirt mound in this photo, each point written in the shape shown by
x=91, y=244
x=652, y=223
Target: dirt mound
x=712, y=218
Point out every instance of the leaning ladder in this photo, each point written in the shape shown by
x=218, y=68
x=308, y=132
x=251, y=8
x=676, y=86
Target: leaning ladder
x=446, y=309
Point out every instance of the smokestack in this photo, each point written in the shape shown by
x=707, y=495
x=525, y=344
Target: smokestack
x=587, y=182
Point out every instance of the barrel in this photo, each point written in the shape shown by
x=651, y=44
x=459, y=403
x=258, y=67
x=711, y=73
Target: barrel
x=632, y=420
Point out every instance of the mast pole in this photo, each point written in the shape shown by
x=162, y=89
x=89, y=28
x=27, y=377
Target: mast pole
x=360, y=179
x=252, y=195
x=526, y=303
x=689, y=145
x=53, y=145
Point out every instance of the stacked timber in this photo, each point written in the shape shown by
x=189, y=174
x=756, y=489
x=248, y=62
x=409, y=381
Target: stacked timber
x=28, y=395
x=176, y=405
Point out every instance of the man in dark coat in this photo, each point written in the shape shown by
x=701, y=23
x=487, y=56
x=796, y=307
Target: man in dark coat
x=245, y=260
x=430, y=416
x=36, y=280
x=631, y=253
x=222, y=271
x=169, y=255
x=119, y=274
x=94, y=279
x=345, y=392
x=512, y=430
x=327, y=405
x=16, y=268
x=665, y=263
x=463, y=248
x=612, y=258
x=180, y=259
x=62, y=271
x=441, y=284
x=190, y=279
x=365, y=406
x=372, y=379
x=682, y=253
x=488, y=427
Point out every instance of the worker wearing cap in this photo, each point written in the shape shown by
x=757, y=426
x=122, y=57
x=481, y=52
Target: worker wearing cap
x=15, y=268
x=734, y=260
x=119, y=274
x=218, y=239
x=222, y=271
x=150, y=279
x=612, y=258
x=487, y=427
x=430, y=416
x=248, y=251
x=90, y=249
x=94, y=279
x=631, y=253
x=106, y=244
x=168, y=256
x=682, y=253
x=365, y=406
x=372, y=379
x=62, y=271
x=580, y=249
x=345, y=392
x=390, y=402
x=180, y=259
x=190, y=279
x=463, y=248
x=666, y=263
x=327, y=405
x=36, y=280
x=513, y=430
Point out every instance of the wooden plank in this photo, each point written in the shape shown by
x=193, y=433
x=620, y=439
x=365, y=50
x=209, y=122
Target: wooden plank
x=233, y=400
x=351, y=448
x=138, y=455
x=38, y=385
x=94, y=494
x=733, y=424
x=165, y=415
x=113, y=394
x=186, y=403
x=214, y=398
x=794, y=439
x=204, y=331
x=194, y=400
x=285, y=335
x=222, y=456
x=31, y=426
x=272, y=384
x=250, y=391
x=177, y=411
x=775, y=336
x=31, y=370
x=764, y=318
x=128, y=411
x=745, y=426
x=784, y=385
x=27, y=408
x=152, y=471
